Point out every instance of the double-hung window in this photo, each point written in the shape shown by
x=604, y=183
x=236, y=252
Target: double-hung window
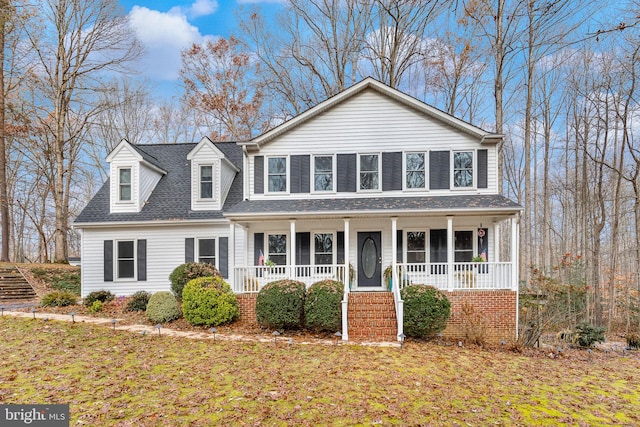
x=323, y=248
x=415, y=170
x=206, y=181
x=277, y=248
x=124, y=184
x=323, y=173
x=369, y=172
x=462, y=169
x=207, y=251
x=125, y=259
x=277, y=174
x=416, y=247
x=463, y=246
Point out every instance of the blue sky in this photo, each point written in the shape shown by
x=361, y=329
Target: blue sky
x=166, y=27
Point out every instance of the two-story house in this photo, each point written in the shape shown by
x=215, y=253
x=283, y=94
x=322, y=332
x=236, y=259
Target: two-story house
x=370, y=187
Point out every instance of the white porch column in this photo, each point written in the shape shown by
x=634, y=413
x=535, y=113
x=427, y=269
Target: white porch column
x=450, y=253
x=345, y=297
x=394, y=248
x=292, y=256
x=515, y=247
x=231, y=256
x=496, y=241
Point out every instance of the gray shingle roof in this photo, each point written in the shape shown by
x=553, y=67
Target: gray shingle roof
x=373, y=204
x=171, y=199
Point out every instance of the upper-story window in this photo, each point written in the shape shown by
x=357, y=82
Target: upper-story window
x=323, y=173
x=277, y=174
x=463, y=169
x=415, y=170
x=124, y=184
x=369, y=172
x=206, y=182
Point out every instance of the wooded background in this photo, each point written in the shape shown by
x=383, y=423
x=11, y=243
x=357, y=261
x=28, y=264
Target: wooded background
x=557, y=77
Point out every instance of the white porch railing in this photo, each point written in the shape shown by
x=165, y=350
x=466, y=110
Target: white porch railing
x=444, y=276
x=252, y=279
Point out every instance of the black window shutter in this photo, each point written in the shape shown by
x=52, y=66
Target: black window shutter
x=399, y=245
x=303, y=248
x=300, y=173
x=258, y=246
x=482, y=168
x=340, y=246
x=142, y=260
x=438, y=248
x=188, y=249
x=108, y=260
x=439, y=170
x=223, y=260
x=346, y=164
x=258, y=174
x=391, y=171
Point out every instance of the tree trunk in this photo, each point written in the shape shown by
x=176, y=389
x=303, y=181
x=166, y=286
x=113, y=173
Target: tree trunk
x=4, y=199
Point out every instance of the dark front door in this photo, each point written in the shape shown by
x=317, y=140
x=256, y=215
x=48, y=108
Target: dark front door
x=369, y=259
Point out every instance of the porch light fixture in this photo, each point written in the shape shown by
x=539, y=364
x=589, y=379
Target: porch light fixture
x=158, y=327
x=213, y=331
x=275, y=337
x=114, y=321
x=402, y=337
x=73, y=316
x=338, y=335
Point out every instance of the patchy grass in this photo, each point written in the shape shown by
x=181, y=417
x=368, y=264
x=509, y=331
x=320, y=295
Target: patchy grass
x=119, y=378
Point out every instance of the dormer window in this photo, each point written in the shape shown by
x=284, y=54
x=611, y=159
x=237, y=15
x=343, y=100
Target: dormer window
x=124, y=184
x=277, y=174
x=463, y=169
x=206, y=182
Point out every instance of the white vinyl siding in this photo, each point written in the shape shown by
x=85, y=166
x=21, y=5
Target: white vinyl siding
x=165, y=250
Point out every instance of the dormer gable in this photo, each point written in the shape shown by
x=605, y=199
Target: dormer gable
x=133, y=177
x=211, y=176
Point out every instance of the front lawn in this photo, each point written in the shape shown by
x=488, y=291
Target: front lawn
x=120, y=378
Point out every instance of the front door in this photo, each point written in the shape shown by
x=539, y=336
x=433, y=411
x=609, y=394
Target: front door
x=369, y=259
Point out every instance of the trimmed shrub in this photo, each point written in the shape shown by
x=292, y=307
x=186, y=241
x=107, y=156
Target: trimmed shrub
x=138, y=301
x=209, y=301
x=95, y=306
x=426, y=311
x=188, y=271
x=280, y=305
x=633, y=340
x=323, y=306
x=586, y=335
x=102, y=296
x=163, y=307
x=59, y=299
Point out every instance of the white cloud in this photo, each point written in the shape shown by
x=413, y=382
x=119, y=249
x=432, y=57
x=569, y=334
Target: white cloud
x=164, y=36
x=259, y=1
x=203, y=8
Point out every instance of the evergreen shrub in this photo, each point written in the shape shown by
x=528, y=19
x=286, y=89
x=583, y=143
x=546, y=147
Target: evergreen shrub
x=426, y=311
x=190, y=270
x=280, y=305
x=163, y=307
x=102, y=296
x=138, y=301
x=209, y=301
x=323, y=306
x=59, y=299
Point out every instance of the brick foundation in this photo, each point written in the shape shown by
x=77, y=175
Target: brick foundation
x=490, y=315
x=487, y=314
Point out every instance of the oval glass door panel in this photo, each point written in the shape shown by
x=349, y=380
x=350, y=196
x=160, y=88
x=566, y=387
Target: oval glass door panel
x=369, y=257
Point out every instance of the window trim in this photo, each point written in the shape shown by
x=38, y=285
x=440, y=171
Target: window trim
x=196, y=250
x=426, y=171
x=116, y=261
x=474, y=168
x=333, y=174
x=119, y=187
x=287, y=174
x=334, y=252
x=369, y=190
x=212, y=182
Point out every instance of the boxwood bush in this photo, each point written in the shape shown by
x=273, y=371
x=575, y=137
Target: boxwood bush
x=138, y=301
x=188, y=271
x=426, y=311
x=209, y=301
x=59, y=299
x=163, y=307
x=102, y=296
x=323, y=306
x=280, y=305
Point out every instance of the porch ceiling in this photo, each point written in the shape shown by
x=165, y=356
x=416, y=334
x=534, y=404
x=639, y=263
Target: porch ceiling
x=493, y=204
